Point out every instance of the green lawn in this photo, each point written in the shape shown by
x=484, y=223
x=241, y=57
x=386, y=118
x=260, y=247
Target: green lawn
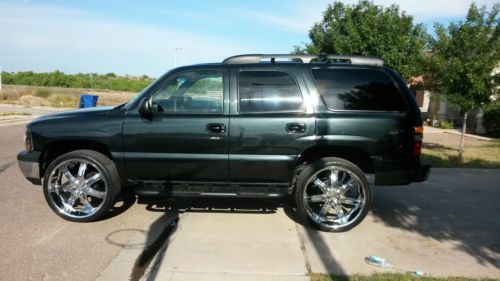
x=440, y=149
x=484, y=154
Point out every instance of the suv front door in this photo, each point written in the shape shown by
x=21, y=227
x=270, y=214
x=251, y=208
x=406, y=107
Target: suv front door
x=187, y=136
x=271, y=123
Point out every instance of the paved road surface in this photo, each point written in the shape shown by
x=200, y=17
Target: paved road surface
x=36, y=245
x=447, y=226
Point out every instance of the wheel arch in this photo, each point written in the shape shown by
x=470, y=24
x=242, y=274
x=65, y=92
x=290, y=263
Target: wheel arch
x=354, y=154
x=57, y=148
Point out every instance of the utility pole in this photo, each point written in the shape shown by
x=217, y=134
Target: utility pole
x=91, y=83
x=0, y=78
x=175, y=56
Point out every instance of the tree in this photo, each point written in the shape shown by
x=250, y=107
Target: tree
x=462, y=59
x=369, y=30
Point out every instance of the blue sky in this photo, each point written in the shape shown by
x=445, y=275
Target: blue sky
x=140, y=37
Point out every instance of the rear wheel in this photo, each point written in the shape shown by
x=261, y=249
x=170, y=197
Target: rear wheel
x=81, y=185
x=333, y=194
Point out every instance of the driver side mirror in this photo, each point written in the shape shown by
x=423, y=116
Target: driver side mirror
x=146, y=108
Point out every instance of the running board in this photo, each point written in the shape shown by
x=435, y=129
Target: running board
x=212, y=189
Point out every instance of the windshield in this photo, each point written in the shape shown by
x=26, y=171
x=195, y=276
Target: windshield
x=136, y=97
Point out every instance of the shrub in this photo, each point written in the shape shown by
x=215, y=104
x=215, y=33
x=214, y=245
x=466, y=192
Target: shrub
x=61, y=100
x=491, y=122
x=42, y=93
x=443, y=124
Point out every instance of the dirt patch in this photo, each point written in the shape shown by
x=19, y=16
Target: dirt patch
x=28, y=100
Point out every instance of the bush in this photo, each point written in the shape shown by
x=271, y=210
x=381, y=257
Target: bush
x=443, y=124
x=491, y=123
x=62, y=100
x=108, y=81
x=42, y=93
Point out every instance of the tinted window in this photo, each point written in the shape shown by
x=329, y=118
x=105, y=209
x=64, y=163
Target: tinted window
x=191, y=92
x=358, y=89
x=268, y=91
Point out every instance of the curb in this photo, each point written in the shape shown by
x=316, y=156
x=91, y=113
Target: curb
x=16, y=121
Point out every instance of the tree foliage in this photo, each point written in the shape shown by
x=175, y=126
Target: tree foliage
x=369, y=30
x=462, y=60
x=109, y=81
x=463, y=57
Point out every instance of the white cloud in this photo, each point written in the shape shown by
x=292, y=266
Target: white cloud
x=44, y=37
x=284, y=23
x=424, y=10
x=300, y=15
x=74, y=41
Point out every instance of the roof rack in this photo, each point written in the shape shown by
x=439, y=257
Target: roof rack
x=258, y=58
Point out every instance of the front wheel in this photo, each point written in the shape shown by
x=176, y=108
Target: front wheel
x=81, y=185
x=332, y=194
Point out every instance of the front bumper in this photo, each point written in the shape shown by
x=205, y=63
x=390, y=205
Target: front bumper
x=29, y=166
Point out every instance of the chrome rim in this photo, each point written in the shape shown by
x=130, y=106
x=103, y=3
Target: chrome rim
x=334, y=197
x=77, y=188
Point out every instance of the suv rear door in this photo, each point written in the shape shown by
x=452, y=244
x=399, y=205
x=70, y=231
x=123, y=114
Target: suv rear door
x=367, y=107
x=271, y=123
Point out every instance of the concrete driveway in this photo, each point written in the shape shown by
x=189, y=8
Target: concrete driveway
x=446, y=226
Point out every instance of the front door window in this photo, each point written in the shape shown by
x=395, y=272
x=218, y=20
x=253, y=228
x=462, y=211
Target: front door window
x=191, y=92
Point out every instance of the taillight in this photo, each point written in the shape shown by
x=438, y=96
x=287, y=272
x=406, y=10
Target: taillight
x=417, y=145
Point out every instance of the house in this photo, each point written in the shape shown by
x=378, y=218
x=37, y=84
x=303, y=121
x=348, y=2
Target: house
x=440, y=110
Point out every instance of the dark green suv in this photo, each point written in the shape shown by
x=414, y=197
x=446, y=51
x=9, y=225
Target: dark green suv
x=316, y=127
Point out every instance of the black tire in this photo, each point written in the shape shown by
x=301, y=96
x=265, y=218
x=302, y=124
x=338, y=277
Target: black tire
x=97, y=188
x=306, y=186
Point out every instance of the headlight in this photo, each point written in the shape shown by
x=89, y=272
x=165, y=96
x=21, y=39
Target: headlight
x=28, y=142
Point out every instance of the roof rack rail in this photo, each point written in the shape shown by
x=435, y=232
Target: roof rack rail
x=257, y=58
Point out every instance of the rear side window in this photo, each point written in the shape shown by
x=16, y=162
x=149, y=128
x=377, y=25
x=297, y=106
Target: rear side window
x=268, y=91
x=358, y=89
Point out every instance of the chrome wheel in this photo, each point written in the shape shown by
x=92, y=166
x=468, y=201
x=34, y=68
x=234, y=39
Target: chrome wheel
x=334, y=197
x=77, y=188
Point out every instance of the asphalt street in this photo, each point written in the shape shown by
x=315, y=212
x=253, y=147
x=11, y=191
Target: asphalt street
x=35, y=244
x=446, y=226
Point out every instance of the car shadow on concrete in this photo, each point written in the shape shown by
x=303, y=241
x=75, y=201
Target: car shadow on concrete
x=124, y=201
x=459, y=205
x=174, y=208
x=155, y=247
x=211, y=205
x=316, y=239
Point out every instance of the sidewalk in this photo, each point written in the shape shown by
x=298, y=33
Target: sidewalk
x=446, y=226
x=433, y=130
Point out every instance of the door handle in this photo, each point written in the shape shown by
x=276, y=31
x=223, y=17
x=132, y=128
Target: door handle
x=295, y=128
x=216, y=128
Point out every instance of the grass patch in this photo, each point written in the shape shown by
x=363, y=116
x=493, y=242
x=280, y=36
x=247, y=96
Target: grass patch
x=42, y=93
x=64, y=100
x=391, y=277
x=14, y=113
x=485, y=154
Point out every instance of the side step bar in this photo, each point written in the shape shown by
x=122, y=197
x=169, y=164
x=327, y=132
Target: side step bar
x=212, y=189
